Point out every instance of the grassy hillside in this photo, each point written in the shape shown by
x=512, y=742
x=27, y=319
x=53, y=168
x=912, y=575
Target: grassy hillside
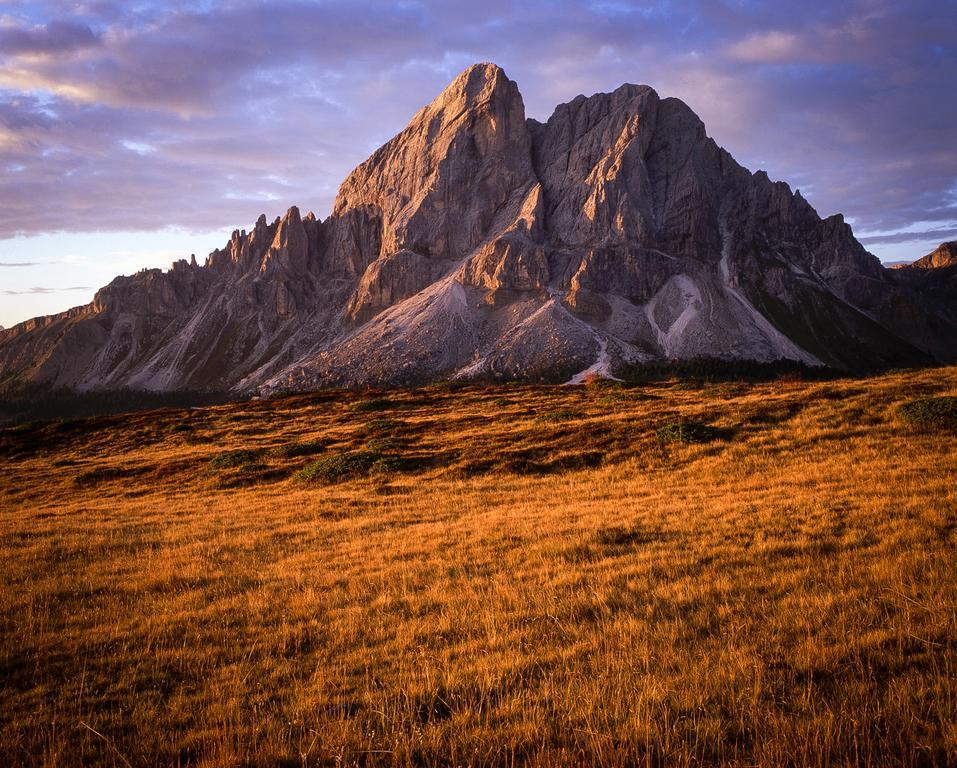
x=670, y=574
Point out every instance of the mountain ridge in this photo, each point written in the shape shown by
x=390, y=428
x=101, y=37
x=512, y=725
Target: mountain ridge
x=481, y=243
x=942, y=257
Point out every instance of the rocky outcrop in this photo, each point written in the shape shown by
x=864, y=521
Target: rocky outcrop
x=480, y=243
x=388, y=280
x=512, y=262
x=436, y=188
x=943, y=256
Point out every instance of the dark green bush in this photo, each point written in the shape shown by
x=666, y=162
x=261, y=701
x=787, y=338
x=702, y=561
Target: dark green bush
x=242, y=457
x=932, y=413
x=382, y=426
x=305, y=448
x=687, y=432
x=383, y=444
x=346, y=466
x=556, y=416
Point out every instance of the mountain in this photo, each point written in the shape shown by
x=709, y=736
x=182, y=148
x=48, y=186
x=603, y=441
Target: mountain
x=933, y=279
x=945, y=255
x=480, y=243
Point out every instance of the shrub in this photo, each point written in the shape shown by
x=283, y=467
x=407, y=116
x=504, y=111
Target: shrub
x=383, y=444
x=242, y=457
x=556, y=416
x=932, y=413
x=687, y=432
x=292, y=450
x=346, y=466
x=382, y=426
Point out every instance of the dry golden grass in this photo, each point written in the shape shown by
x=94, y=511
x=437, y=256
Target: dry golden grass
x=528, y=576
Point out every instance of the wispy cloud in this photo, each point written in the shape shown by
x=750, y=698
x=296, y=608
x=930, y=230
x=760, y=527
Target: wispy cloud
x=21, y=263
x=933, y=235
x=55, y=37
x=771, y=46
x=44, y=290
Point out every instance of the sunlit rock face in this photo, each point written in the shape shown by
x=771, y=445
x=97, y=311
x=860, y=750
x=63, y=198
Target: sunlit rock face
x=480, y=243
x=942, y=257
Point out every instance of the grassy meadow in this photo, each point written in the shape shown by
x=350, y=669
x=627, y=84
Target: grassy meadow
x=672, y=574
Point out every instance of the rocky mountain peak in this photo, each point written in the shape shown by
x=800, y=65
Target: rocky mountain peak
x=477, y=243
x=289, y=250
x=479, y=83
x=434, y=190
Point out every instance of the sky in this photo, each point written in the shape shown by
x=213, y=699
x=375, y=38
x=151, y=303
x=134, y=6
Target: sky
x=134, y=133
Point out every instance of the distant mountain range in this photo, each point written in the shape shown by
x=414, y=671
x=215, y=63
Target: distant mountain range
x=478, y=243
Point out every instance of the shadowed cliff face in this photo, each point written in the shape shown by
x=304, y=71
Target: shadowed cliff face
x=479, y=243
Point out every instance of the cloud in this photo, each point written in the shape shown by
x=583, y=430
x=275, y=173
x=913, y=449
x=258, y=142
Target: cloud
x=137, y=116
x=191, y=61
x=769, y=46
x=56, y=37
x=45, y=290
x=935, y=235
x=20, y=263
